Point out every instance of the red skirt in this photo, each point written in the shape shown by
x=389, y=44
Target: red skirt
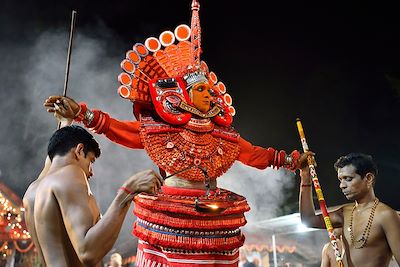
x=183, y=227
x=151, y=256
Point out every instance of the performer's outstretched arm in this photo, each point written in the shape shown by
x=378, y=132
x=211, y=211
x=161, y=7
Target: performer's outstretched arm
x=261, y=158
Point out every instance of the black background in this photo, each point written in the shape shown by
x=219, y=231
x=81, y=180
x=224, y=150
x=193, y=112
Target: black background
x=334, y=65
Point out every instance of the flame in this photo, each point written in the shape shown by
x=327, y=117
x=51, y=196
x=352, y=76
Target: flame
x=213, y=206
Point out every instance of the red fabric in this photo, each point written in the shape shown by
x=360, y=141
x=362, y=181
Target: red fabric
x=184, y=204
x=148, y=255
x=125, y=133
x=184, y=191
x=295, y=160
x=255, y=156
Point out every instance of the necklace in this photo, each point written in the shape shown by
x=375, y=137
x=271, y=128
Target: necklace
x=360, y=243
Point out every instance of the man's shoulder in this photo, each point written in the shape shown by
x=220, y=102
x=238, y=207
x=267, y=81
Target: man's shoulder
x=66, y=172
x=62, y=178
x=325, y=248
x=385, y=212
x=347, y=207
x=30, y=192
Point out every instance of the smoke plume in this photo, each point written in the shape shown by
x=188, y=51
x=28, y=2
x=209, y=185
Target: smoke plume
x=36, y=70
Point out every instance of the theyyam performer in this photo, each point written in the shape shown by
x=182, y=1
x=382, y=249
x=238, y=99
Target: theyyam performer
x=184, y=116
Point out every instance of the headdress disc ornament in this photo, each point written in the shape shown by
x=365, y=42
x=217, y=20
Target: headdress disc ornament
x=173, y=56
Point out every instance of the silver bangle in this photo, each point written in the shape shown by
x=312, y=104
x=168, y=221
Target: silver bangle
x=89, y=116
x=288, y=160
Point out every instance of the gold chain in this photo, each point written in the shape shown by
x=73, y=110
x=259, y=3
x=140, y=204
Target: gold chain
x=360, y=243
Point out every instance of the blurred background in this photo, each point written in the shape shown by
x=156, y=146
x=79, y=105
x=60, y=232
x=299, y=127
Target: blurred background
x=334, y=65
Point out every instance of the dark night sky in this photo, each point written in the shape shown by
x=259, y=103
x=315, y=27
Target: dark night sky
x=335, y=66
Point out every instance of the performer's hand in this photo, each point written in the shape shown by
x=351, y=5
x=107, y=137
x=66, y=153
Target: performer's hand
x=62, y=107
x=63, y=121
x=146, y=181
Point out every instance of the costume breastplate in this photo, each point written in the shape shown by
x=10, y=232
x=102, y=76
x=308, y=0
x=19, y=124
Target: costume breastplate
x=198, y=144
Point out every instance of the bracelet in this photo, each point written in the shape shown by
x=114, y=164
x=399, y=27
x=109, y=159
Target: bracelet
x=126, y=190
x=306, y=185
x=88, y=117
x=288, y=160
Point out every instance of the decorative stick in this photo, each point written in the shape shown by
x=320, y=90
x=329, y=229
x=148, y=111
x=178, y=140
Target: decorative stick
x=71, y=37
x=318, y=191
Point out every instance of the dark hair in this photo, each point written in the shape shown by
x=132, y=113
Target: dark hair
x=362, y=162
x=66, y=138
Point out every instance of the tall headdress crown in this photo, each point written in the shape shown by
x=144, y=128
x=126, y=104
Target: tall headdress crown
x=148, y=61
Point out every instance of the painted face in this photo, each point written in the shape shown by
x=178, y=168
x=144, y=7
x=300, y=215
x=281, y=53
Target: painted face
x=202, y=95
x=352, y=184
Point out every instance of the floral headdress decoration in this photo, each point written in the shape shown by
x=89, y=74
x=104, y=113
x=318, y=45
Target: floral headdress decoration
x=157, y=74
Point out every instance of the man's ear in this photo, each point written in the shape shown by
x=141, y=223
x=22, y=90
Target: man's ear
x=370, y=177
x=79, y=150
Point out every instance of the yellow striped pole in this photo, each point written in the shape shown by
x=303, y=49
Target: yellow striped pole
x=320, y=196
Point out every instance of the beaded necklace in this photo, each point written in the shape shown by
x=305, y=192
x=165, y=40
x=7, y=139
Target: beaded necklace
x=360, y=243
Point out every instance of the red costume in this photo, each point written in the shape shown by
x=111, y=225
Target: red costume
x=178, y=226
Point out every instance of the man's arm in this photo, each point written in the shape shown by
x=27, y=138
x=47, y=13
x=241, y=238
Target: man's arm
x=306, y=205
x=90, y=239
x=390, y=222
x=325, y=260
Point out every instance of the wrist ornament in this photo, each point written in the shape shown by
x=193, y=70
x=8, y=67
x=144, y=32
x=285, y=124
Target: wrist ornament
x=306, y=184
x=292, y=160
x=279, y=158
x=84, y=115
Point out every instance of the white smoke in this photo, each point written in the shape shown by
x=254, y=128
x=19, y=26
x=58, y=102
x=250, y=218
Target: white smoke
x=93, y=79
x=264, y=189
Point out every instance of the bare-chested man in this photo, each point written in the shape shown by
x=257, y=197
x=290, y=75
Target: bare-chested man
x=371, y=229
x=65, y=222
x=29, y=197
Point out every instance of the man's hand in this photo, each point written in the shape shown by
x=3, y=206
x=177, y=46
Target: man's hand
x=303, y=166
x=146, y=181
x=62, y=107
x=303, y=160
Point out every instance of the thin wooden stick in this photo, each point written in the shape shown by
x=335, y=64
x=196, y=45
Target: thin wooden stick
x=71, y=37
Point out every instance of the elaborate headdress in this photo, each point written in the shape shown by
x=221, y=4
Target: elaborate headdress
x=157, y=78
